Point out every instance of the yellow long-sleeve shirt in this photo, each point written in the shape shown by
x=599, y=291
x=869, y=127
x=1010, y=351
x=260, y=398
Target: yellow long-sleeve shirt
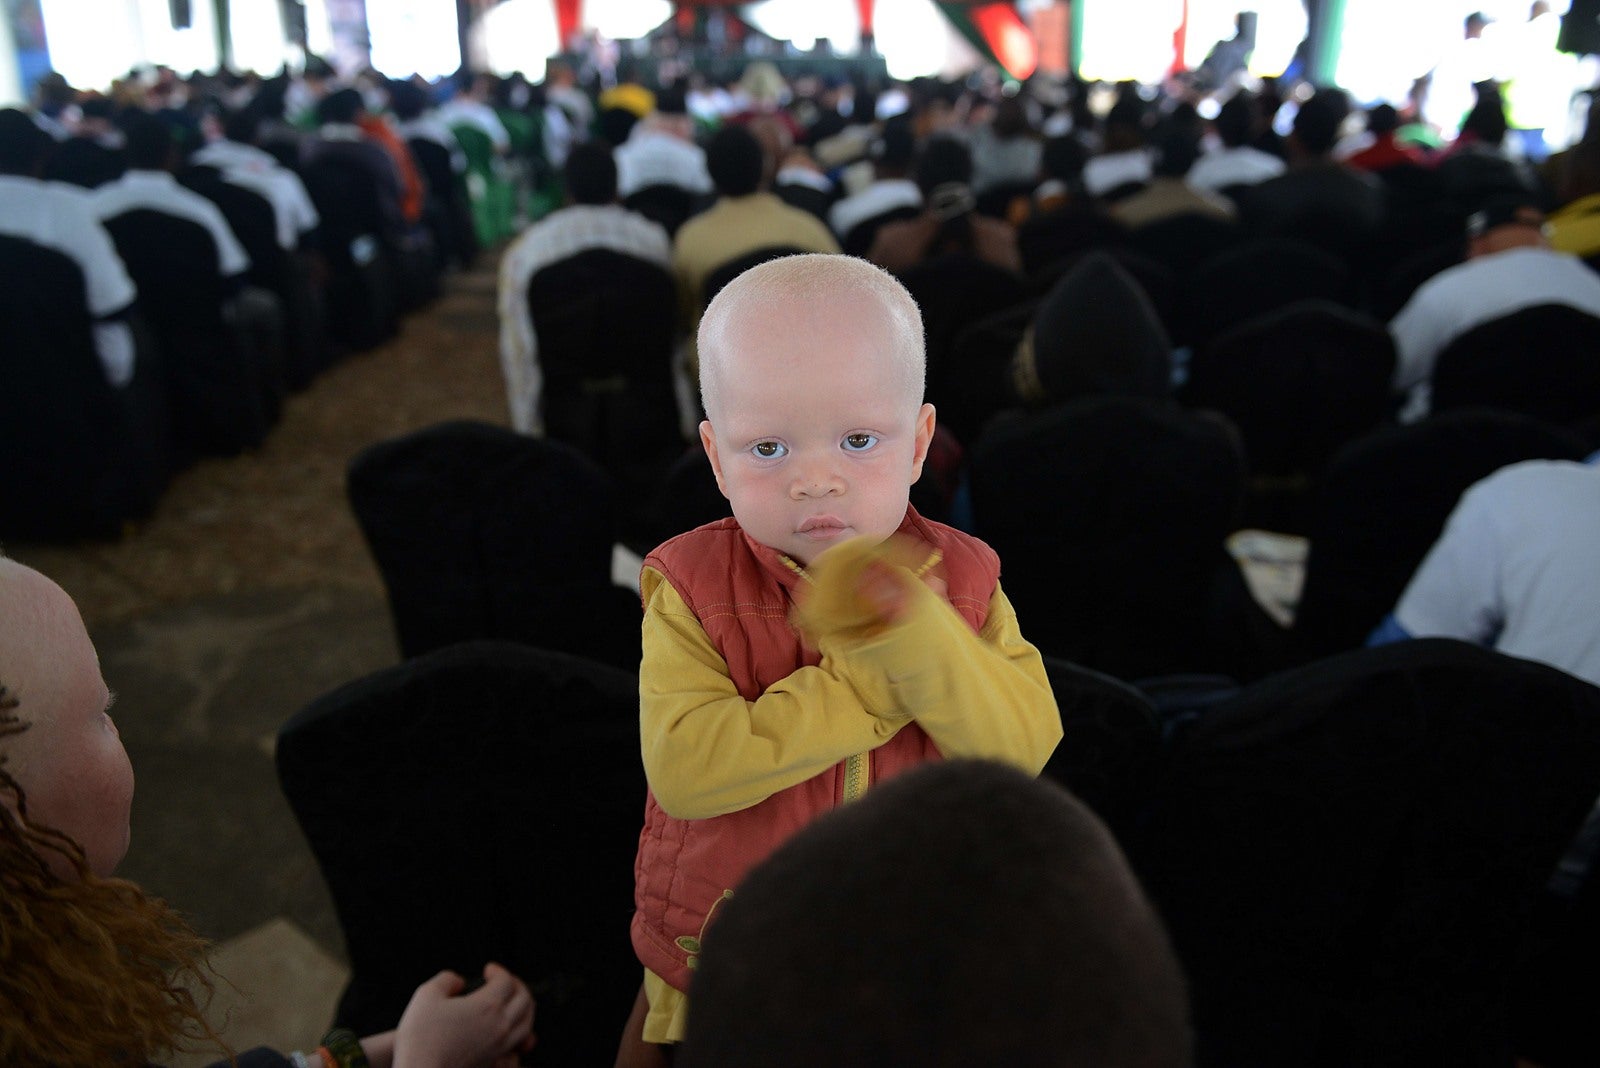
x=708, y=751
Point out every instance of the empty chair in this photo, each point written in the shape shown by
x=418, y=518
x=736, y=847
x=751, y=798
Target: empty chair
x=1346, y=854
x=78, y=457
x=1298, y=382
x=479, y=803
x=484, y=533
x=1542, y=361
x=605, y=323
x=1382, y=503
x=1258, y=277
x=1110, y=515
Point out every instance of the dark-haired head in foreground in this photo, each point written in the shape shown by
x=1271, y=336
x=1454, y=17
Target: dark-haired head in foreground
x=963, y=914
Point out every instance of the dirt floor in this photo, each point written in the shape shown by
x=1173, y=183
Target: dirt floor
x=277, y=518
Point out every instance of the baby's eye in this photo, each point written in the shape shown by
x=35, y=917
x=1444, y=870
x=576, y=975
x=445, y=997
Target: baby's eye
x=769, y=450
x=859, y=442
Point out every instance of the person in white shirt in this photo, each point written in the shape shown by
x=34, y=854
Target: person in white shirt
x=1236, y=162
x=591, y=220
x=470, y=107
x=661, y=151
x=62, y=218
x=1516, y=569
x=149, y=184
x=1510, y=266
x=230, y=150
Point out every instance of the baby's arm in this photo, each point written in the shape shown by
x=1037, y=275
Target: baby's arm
x=707, y=751
x=977, y=695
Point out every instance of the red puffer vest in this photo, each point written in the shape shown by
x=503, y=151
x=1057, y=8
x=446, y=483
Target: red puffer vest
x=686, y=868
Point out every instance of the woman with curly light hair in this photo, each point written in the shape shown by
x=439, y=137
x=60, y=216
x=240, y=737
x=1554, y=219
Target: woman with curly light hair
x=93, y=970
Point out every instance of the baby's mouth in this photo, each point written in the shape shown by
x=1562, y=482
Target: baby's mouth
x=822, y=526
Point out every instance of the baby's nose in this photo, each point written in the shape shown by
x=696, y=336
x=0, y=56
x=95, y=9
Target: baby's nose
x=816, y=480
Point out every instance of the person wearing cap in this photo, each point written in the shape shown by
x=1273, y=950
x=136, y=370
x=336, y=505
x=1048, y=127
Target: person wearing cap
x=1510, y=266
x=660, y=149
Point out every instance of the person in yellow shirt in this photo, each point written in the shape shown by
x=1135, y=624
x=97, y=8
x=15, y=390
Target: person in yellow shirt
x=826, y=637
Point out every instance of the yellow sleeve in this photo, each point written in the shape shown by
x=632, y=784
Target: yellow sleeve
x=977, y=695
x=707, y=751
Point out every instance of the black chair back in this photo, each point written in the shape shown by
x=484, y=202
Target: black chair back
x=1257, y=277
x=1054, y=235
x=1184, y=242
x=1298, y=382
x=954, y=291
x=479, y=804
x=221, y=392
x=356, y=236
x=77, y=456
x=669, y=205
x=857, y=241
x=719, y=277
x=1382, y=503
x=606, y=323
x=1539, y=361
x=483, y=533
x=1110, y=751
x=1347, y=854
x=1110, y=515
x=449, y=211
x=980, y=359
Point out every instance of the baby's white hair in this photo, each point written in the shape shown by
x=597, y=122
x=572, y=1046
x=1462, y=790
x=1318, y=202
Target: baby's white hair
x=813, y=279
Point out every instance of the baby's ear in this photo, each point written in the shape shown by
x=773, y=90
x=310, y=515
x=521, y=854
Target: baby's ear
x=708, y=442
x=924, y=438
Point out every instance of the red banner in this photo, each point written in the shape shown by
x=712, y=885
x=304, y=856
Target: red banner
x=569, y=16
x=1007, y=37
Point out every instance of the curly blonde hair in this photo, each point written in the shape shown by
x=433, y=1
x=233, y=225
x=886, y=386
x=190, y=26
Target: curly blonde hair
x=92, y=971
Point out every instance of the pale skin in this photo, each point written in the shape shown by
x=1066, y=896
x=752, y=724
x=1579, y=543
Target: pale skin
x=77, y=778
x=815, y=430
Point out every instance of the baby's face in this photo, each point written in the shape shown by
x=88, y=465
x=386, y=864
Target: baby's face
x=817, y=437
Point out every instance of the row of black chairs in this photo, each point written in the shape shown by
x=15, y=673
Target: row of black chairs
x=214, y=363
x=1110, y=515
x=1352, y=857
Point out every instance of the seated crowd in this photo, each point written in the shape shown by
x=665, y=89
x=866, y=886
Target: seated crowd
x=1146, y=332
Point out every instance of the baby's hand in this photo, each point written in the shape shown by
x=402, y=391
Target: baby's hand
x=859, y=589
